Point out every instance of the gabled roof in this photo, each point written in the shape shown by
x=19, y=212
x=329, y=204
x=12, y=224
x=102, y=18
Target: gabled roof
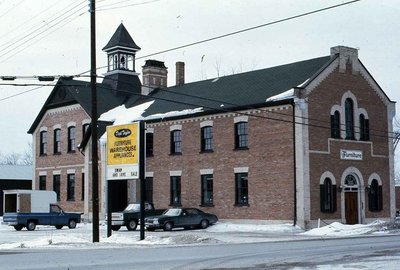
x=68, y=92
x=16, y=172
x=121, y=38
x=239, y=90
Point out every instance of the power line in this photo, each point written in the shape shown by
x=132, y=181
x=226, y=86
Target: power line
x=32, y=35
x=241, y=31
x=109, y=6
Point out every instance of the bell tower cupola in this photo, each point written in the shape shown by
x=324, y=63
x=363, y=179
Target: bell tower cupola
x=121, y=51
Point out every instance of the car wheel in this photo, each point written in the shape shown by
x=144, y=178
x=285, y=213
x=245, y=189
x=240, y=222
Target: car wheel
x=115, y=227
x=59, y=227
x=168, y=226
x=151, y=229
x=72, y=224
x=204, y=223
x=132, y=224
x=31, y=226
x=18, y=227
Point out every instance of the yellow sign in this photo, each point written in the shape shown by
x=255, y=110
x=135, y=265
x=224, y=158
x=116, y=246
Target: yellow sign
x=123, y=151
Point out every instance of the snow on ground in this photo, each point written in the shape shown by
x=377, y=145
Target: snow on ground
x=339, y=229
x=222, y=232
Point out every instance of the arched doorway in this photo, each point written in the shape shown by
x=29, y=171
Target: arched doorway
x=351, y=199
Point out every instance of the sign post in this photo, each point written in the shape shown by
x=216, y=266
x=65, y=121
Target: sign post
x=122, y=158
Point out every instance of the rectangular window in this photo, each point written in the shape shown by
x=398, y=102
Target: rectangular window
x=56, y=185
x=42, y=182
x=206, y=139
x=149, y=189
x=207, y=190
x=149, y=144
x=175, y=191
x=176, y=142
x=57, y=141
x=83, y=187
x=241, y=186
x=71, y=187
x=43, y=143
x=241, y=135
x=71, y=139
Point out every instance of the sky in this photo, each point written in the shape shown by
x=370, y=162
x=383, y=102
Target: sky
x=53, y=38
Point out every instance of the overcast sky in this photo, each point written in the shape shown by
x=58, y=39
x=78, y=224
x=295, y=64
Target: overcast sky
x=41, y=37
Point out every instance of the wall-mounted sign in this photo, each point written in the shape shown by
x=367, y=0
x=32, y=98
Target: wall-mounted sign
x=351, y=154
x=123, y=152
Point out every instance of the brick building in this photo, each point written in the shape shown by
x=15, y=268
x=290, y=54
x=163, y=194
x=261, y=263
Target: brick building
x=298, y=142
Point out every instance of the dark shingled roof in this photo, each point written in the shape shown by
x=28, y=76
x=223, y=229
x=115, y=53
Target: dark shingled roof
x=239, y=90
x=68, y=92
x=121, y=38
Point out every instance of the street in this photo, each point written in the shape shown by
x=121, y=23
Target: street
x=298, y=254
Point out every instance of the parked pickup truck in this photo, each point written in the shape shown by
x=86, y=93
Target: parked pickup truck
x=28, y=208
x=131, y=215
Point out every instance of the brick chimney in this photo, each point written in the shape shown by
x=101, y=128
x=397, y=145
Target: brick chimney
x=348, y=57
x=154, y=75
x=180, y=73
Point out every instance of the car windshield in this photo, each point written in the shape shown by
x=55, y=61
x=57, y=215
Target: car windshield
x=133, y=207
x=172, y=212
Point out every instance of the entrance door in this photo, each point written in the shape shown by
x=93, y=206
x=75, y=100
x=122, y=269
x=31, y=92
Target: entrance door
x=351, y=207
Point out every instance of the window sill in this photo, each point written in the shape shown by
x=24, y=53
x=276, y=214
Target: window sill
x=241, y=205
x=57, y=154
x=71, y=152
x=150, y=155
x=42, y=155
x=206, y=151
x=176, y=154
x=70, y=200
x=206, y=205
x=241, y=148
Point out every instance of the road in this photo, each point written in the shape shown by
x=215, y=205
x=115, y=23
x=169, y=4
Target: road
x=272, y=255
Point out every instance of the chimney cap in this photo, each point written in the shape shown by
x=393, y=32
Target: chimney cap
x=154, y=63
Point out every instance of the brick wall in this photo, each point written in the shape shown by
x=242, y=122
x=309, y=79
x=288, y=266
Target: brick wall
x=269, y=160
x=66, y=161
x=375, y=152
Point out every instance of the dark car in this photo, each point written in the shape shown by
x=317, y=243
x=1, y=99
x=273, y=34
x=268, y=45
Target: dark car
x=180, y=217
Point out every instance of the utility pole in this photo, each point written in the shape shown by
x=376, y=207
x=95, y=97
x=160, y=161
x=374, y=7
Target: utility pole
x=95, y=158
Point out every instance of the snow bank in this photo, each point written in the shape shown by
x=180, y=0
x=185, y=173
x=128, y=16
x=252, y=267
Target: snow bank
x=238, y=227
x=339, y=229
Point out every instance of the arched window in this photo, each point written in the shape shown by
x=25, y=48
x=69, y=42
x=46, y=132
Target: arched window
x=375, y=196
x=335, y=125
x=349, y=117
x=328, y=196
x=364, y=128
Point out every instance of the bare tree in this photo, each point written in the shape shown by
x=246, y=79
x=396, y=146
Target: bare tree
x=18, y=159
x=27, y=156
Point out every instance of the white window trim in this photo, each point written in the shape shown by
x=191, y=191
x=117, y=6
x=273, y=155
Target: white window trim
x=175, y=173
x=206, y=124
x=86, y=121
x=71, y=171
x=58, y=172
x=71, y=124
x=175, y=127
x=241, y=169
x=149, y=174
x=243, y=118
x=374, y=176
x=43, y=173
x=43, y=129
x=329, y=175
x=149, y=130
x=58, y=126
x=206, y=171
